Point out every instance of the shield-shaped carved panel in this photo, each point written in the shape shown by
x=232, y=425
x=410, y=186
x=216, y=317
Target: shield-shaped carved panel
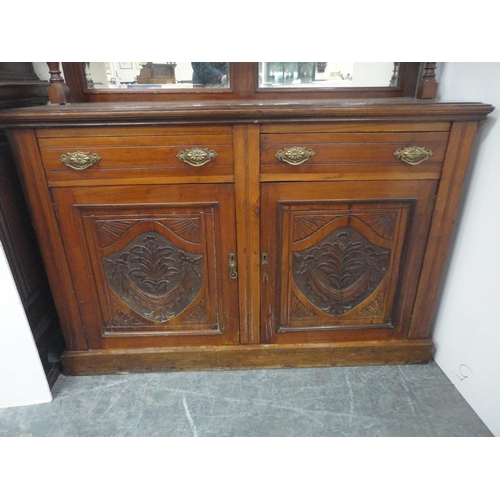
x=340, y=271
x=154, y=277
x=338, y=266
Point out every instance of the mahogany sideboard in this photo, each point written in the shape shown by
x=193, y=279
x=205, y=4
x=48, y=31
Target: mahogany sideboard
x=244, y=234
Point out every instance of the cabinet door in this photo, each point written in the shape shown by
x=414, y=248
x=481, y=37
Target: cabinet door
x=150, y=264
x=342, y=258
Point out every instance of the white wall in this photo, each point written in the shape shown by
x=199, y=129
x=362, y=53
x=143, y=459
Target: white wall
x=467, y=327
x=22, y=379
x=372, y=74
x=42, y=71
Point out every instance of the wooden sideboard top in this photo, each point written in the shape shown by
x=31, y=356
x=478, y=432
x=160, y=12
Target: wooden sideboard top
x=242, y=111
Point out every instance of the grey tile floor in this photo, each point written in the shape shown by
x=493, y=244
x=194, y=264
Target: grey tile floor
x=409, y=400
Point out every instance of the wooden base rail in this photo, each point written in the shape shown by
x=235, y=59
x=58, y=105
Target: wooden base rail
x=122, y=361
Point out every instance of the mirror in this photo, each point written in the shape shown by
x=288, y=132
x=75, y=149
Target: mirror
x=327, y=74
x=166, y=81
x=159, y=75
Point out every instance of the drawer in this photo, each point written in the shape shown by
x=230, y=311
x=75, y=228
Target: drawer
x=401, y=153
x=160, y=154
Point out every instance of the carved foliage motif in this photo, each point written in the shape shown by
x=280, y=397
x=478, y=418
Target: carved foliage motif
x=187, y=228
x=198, y=314
x=340, y=271
x=382, y=223
x=306, y=225
x=109, y=231
x=154, y=277
x=299, y=310
x=122, y=319
x=374, y=308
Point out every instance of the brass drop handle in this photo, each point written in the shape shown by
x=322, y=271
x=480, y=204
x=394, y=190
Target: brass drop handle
x=197, y=157
x=295, y=155
x=80, y=160
x=233, y=267
x=413, y=155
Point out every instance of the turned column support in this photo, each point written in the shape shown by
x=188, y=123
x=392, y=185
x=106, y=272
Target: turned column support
x=59, y=92
x=427, y=85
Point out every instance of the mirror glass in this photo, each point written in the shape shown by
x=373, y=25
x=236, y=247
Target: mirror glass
x=327, y=74
x=160, y=75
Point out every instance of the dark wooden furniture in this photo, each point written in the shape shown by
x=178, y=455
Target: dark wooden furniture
x=154, y=73
x=19, y=86
x=244, y=233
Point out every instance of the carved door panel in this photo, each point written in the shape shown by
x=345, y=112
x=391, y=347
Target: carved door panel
x=150, y=264
x=342, y=259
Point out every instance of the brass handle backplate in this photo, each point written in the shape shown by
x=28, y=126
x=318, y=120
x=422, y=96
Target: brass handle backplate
x=80, y=160
x=295, y=155
x=233, y=272
x=197, y=157
x=413, y=155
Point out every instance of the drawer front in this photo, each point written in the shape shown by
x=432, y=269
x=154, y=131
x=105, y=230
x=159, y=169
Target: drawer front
x=132, y=156
x=396, y=152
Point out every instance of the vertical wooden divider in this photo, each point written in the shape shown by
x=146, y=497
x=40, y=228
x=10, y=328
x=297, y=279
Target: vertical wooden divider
x=246, y=174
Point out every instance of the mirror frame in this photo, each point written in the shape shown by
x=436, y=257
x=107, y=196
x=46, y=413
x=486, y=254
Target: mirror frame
x=244, y=84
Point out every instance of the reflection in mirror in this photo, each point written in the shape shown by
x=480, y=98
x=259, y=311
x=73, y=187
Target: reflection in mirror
x=327, y=74
x=161, y=75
